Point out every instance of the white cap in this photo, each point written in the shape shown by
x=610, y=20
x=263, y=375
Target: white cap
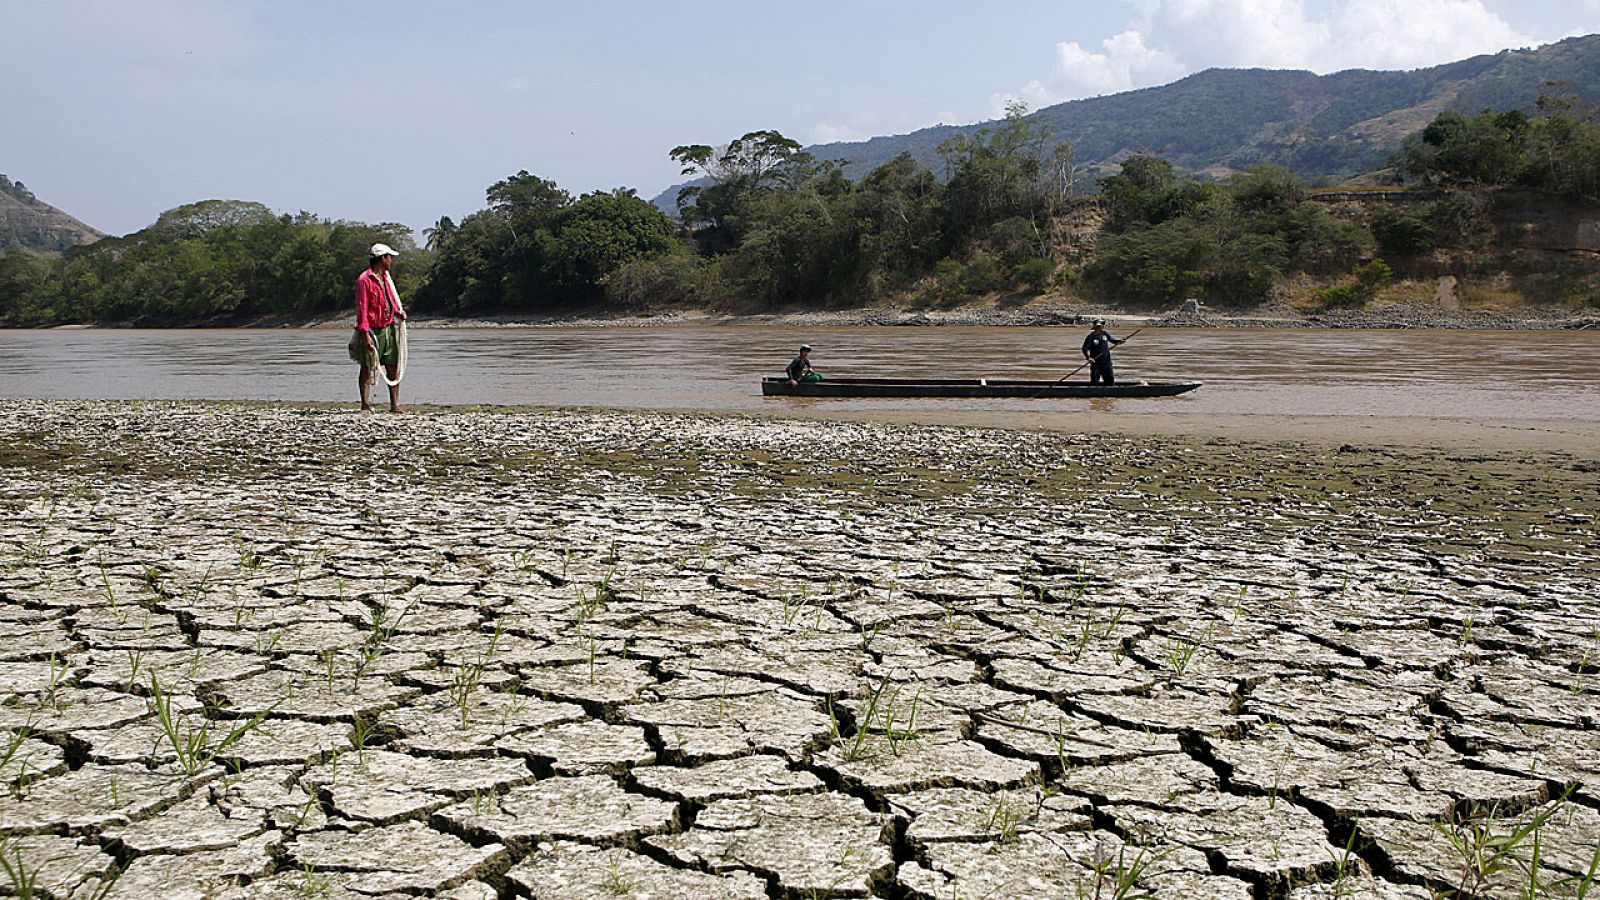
x=382, y=250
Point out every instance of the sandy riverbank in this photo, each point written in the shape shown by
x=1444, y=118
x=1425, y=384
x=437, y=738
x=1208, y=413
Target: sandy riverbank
x=586, y=653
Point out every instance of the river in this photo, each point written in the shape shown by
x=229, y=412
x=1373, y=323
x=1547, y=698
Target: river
x=1484, y=375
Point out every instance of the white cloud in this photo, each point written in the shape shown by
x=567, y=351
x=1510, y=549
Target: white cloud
x=829, y=133
x=1167, y=39
x=1234, y=33
x=1125, y=63
x=1382, y=34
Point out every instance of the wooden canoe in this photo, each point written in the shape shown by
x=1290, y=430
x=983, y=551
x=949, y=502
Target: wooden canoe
x=969, y=387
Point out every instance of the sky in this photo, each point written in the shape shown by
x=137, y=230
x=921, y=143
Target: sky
x=403, y=111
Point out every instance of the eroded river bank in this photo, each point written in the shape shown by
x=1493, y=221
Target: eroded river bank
x=601, y=654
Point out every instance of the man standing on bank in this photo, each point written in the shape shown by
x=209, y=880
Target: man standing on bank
x=375, y=341
x=1097, y=350
x=800, y=367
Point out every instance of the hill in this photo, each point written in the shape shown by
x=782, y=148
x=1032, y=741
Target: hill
x=1324, y=128
x=28, y=223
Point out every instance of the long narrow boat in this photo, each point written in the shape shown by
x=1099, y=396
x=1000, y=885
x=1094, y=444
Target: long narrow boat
x=968, y=387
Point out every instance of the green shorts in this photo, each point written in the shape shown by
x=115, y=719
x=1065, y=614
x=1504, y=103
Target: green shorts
x=387, y=343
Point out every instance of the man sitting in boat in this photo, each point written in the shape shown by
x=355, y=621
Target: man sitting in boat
x=800, y=367
x=1097, y=350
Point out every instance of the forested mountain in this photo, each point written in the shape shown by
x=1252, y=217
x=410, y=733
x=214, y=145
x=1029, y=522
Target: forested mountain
x=28, y=223
x=1321, y=127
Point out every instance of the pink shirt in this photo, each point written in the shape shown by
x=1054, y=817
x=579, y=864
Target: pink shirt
x=374, y=306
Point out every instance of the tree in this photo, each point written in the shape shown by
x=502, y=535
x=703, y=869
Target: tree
x=752, y=160
x=1015, y=169
x=524, y=193
x=21, y=273
x=439, y=234
x=1402, y=235
x=756, y=162
x=600, y=232
x=1453, y=149
x=194, y=219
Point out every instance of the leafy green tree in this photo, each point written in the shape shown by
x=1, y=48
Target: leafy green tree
x=739, y=173
x=1402, y=234
x=1016, y=169
x=1168, y=239
x=804, y=250
x=535, y=248
x=524, y=193
x=900, y=206
x=1267, y=190
x=753, y=161
x=195, y=219
x=439, y=233
x=600, y=232
x=21, y=274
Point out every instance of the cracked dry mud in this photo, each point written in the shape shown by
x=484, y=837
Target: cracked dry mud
x=260, y=652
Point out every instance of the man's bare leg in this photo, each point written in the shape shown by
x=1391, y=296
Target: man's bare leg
x=364, y=380
x=394, y=389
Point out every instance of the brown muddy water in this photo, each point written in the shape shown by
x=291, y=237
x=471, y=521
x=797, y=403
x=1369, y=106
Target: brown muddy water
x=1298, y=372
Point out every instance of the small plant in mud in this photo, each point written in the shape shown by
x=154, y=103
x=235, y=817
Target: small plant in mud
x=1002, y=820
x=249, y=557
x=868, y=635
x=1487, y=846
x=791, y=606
x=615, y=882
x=314, y=883
x=360, y=733
x=1180, y=655
x=1117, y=877
x=469, y=674
x=593, y=598
x=1060, y=738
x=1085, y=635
x=382, y=623
x=197, y=747
x=1028, y=590
x=21, y=879
x=13, y=744
x=881, y=705
x=899, y=736
x=855, y=746
x=59, y=670
x=1582, y=887
x=109, y=591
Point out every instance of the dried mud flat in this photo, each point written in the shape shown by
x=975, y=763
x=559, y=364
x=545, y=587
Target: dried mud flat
x=282, y=652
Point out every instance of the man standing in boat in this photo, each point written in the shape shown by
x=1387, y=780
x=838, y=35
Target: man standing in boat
x=376, y=341
x=1097, y=350
x=800, y=367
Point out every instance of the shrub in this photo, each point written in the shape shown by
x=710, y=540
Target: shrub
x=1034, y=274
x=1342, y=296
x=1354, y=295
x=674, y=280
x=982, y=274
x=1370, y=275
x=1402, y=234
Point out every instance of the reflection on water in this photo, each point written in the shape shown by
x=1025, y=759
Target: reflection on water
x=1469, y=374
